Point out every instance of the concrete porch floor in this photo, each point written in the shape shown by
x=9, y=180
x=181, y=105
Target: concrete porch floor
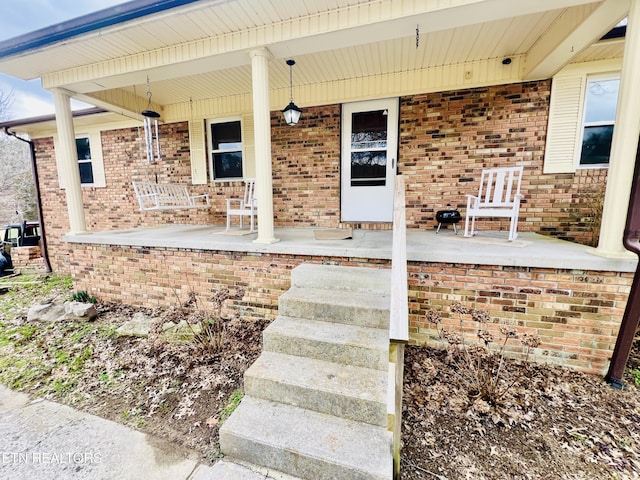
x=487, y=248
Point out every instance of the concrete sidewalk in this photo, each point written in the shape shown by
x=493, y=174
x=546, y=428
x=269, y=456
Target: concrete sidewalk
x=40, y=439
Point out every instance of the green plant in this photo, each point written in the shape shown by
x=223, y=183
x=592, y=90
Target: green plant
x=635, y=374
x=27, y=332
x=18, y=335
x=84, y=297
x=234, y=400
x=134, y=418
x=480, y=365
x=61, y=386
x=77, y=364
x=22, y=373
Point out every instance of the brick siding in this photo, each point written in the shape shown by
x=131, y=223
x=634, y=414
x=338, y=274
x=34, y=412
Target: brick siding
x=445, y=140
x=576, y=313
x=27, y=259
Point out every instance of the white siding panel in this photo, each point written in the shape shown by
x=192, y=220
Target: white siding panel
x=565, y=118
x=198, y=152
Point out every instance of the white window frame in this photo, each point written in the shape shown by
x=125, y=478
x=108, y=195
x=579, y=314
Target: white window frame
x=584, y=123
x=565, y=128
x=210, y=151
x=97, y=161
x=89, y=161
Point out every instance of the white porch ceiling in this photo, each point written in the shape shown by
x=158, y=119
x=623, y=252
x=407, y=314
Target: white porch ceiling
x=331, y=40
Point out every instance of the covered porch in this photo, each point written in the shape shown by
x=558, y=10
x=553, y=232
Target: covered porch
x=573, y=299
x=424, y=245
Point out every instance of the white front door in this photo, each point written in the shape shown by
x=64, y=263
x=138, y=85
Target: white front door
x=369, y=155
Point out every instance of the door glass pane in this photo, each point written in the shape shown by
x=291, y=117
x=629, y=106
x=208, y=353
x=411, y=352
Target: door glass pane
x=368, y=149
x=368, y=130
x=368, y=168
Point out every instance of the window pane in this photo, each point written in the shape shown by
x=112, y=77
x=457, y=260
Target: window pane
x=226, y=136
x=86, y=172
x=602, y=96
x=596, y=145
x=368, y=130
x=83, y=148
x=368, y=168
x=227, y=165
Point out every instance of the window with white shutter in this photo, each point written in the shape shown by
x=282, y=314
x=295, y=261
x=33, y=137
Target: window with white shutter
x=581, y=116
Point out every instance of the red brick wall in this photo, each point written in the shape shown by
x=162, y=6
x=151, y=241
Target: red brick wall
x=115, y=206
x=445, y=140
x=306, y=168
x=27, y=259
x=576, y=313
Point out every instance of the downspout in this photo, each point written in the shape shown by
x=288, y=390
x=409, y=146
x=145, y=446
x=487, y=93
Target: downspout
x=44, y=252
x=631, y=241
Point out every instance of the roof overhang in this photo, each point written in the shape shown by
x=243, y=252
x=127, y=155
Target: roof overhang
x=202, y=52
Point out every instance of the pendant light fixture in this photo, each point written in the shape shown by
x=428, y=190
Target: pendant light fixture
x=151, y=135
x=291, y=112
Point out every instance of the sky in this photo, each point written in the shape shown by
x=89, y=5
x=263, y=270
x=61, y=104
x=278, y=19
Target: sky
x=28, y=99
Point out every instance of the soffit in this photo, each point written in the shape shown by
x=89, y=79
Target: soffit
x=358, y=39
x=497, y=40
x=603, y=50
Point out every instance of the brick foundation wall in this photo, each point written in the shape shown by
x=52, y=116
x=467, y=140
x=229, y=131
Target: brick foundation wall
x=576, y=313
x=445, y=140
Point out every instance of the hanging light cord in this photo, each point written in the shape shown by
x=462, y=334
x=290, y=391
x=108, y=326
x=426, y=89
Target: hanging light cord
x=291, y=82
x=291, y=62
x=148, y=94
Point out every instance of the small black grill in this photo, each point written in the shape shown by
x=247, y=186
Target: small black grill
x=448, y=217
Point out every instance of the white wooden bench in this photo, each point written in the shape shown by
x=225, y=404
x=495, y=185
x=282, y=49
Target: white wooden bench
x=167, y=196
x=498, y=196
x=247, y=206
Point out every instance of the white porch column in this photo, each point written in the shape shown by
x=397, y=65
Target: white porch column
x=68, y=157
x=262, y=134
x=624, y=143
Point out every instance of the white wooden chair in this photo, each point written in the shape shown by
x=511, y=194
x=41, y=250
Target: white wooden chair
x=498, y=196
x=243, y=207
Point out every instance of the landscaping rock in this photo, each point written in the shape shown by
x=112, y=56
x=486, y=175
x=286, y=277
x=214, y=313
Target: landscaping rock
x=46, y=312
x=80, y=311
x=182, y=332
x=50, y=312
x=138, y=326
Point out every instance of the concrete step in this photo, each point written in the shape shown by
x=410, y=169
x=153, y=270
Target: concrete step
x=336, y=277
x=366, y=309
x=340, y=343
x=306, y=444
x=346, y=391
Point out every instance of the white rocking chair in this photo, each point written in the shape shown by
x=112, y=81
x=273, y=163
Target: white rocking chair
x=498, y=196
x=243, y=207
